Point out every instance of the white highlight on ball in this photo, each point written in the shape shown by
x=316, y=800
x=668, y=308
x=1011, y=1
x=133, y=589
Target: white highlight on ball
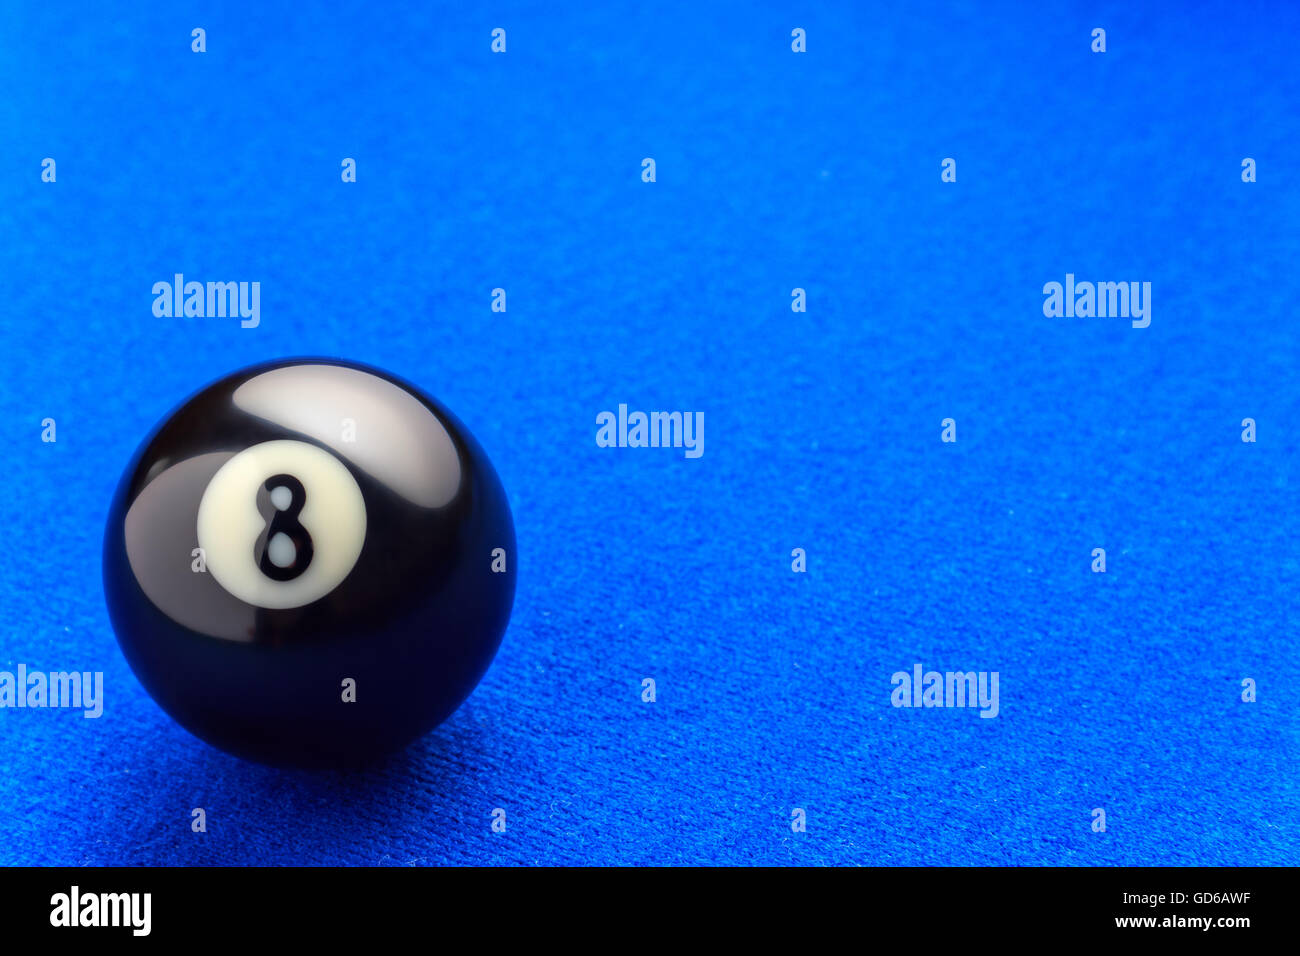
x=397, y=439
x=229, y=523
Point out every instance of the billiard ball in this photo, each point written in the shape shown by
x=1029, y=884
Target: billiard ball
x=309, y=563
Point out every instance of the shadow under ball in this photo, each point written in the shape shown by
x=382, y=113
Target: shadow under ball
x=310, y=563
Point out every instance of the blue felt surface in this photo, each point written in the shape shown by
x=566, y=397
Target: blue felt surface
x=775, y=171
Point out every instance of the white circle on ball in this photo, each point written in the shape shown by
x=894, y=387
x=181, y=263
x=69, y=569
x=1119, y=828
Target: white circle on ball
x=230, y=523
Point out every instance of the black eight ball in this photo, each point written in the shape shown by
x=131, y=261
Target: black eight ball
x=310, y=563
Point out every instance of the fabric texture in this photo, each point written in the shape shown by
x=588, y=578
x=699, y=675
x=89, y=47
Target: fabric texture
x=775, y=170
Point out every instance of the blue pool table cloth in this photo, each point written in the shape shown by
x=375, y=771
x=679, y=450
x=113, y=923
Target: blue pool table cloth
x=774, y=170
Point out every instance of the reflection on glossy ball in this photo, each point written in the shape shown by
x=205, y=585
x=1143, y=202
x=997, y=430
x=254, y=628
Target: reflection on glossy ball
x=310, y=563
